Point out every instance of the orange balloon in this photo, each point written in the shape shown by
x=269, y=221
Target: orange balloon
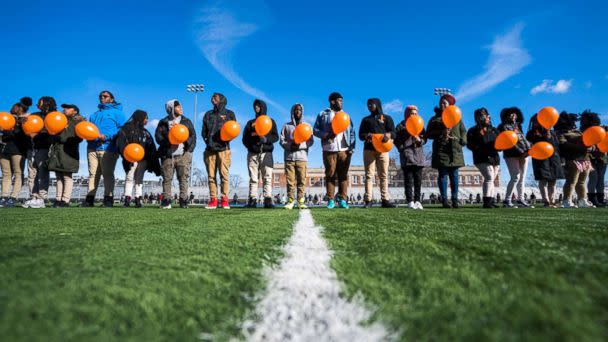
x=7, y=122
x=87, y=131
x=603, y=145
x=414, y=125
x=541, y=150
x=133, y=153
x=593, y=135
x=547, y=117
x=451, y=116
x=33, y=124
x=263, y=125
x=380, y=146
x=55, y=122
x=505, y=140
x=230, y=130
x=302, y=133
x=340, y=122
x=178, y=134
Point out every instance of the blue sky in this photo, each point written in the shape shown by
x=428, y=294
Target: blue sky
x=528, y=54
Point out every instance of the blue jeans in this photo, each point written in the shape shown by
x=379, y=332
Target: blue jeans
x=442, y=182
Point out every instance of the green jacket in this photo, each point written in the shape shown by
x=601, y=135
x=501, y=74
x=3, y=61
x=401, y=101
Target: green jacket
x=447, y=152
x=63, y=153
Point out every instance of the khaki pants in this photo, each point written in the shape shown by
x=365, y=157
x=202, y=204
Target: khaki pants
x=336, y=169
x=295, y=172
x=260, y=164
x=101, y=163
x=38, y=173
x=575, y=179
x=375, y=161
x=12, y=166
x=181, y=166
x=218, y=162
x=135, y=177
x=65, y=184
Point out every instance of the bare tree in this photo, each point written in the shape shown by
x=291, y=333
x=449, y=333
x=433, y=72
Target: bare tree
x=199, y=177
x=235, y=181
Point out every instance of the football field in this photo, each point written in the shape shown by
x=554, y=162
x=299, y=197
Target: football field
x=106, y=274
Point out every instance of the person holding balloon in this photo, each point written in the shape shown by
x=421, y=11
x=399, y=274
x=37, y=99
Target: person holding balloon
x=134, y=132
x=481, y=140
x=546, y=171
x=38, y=172
x=516, y=157
x=591, y=125
x=335, y=129
x=64, y=156
x=217, y=153
x=102, y=152
x=377, y=130
x=14, y=145
x=410, y=139
x=296, y=138
x=449, y=136
x=259, y=137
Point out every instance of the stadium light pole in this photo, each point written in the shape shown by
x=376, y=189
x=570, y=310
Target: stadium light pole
x=194, y=88
x=442, y=91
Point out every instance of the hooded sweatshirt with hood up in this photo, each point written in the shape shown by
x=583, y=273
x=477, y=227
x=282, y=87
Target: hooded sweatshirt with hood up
x=212, y=125
x=256, y=144
x=376, y=123
x=165, y=149
x=286, y=141
x=108, y=119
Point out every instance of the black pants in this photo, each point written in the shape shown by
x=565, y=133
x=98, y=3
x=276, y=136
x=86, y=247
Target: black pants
x=412, y=179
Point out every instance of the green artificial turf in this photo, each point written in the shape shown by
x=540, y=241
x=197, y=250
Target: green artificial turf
x=133, y=274
x=473, y=274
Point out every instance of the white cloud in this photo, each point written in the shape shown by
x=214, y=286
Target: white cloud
x=394, y=106
x=507, y=58
x=547, y=86
x=152, y=125
x=219, y=31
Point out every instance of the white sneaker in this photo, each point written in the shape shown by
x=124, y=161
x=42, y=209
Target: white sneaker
x=37, y=203
x=411, y=205
x=419, y=206
x=27, y=203
x=567, y=204
x=584, y=203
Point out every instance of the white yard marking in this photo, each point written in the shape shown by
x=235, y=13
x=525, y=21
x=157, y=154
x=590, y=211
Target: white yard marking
x=302, y=300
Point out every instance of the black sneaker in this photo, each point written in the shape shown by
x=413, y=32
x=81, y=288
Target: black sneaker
x=57, y=204
x=127, y=201
x=268, y=203
x=387, y=204
x=445, y=204
x=138, y=202
x=455, y=204
x=367, y=205
x=108, y=202
x=183, y=204
x=252, y=203
x=88, y=202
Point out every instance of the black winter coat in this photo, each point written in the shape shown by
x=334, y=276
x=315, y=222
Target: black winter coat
x=213, y=121
x=482, y=146
x=162, y=137
x=550, y=168
x=129, y=134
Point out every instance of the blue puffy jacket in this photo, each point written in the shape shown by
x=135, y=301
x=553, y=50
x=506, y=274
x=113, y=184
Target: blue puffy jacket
x=108, y=119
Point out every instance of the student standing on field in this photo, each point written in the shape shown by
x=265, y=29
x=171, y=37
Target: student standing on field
x=296, y=159
x=547, y=171
x=376, y=123
x=134, y=132
x=64, y=156
x=411, y=155
x=175, y=158
x=447, y=150
x=337, y=151
x=102, y=153
x=480, y=140
x=259, y=156
x=14, y=145
x=217, y=154
x=599, y=159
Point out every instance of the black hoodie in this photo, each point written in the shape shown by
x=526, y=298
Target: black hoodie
x=256, y=144
x=521, y=148
x=482, y=146
x=212, y=125
x=376, y=123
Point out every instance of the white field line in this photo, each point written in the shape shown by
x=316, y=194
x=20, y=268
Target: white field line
x=302, y=300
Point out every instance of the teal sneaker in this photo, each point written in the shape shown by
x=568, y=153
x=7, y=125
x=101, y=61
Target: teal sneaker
x=343, y=204
x=331, y=204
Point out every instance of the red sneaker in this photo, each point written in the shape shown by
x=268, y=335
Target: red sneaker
x=225, y=203
x=212, y=204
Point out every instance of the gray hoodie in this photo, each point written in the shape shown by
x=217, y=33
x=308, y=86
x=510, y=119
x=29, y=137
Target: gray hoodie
x=286, y=139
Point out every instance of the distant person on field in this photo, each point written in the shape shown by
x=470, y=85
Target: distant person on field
x=480, y=140
x=217, y=153
x=259, y=156
x=411, y=156
x=337, y=151
x=175, y=158
x=296, y=159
